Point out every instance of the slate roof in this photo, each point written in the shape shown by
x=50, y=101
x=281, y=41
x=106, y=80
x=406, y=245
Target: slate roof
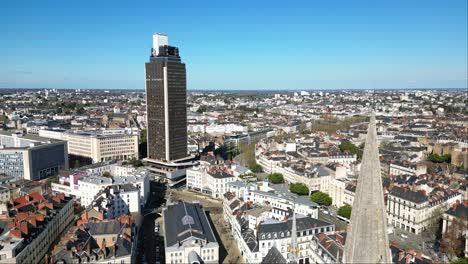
x=302, y=223
x=103, y=228
x=416, y=197
x=273, y=257
x=459, y=211
x=186, y=220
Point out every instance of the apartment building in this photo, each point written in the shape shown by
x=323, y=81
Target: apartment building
x=210, y=179
x=37, y=221
x=400, y=168
x=116, y=200
x=413, y=210
x=278, y=197
x=97, y=241
x=89, y=187
x=257, y=234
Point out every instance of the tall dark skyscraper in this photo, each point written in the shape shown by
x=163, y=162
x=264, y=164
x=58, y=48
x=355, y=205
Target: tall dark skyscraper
x=166, y=100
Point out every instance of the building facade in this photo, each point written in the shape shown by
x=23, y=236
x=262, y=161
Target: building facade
x=31, y=157
x=166, y=102
x=31, y=233
x=414, y=211
x=188, y=235
x=98, y=145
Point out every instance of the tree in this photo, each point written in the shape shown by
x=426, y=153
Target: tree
x=248, y=153
x=463, y=260
x=256, y=168
x=136, y=163
x=435, y=220
x=106, y=174
x=276, y=178
x=353, y=149
x=77, y=164
x=321, y=198
x=299, y=188
x=345, y=211
x=452, y=240
x=436, y=158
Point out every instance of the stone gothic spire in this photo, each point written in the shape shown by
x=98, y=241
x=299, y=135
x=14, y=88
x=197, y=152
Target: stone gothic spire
x=367, y=241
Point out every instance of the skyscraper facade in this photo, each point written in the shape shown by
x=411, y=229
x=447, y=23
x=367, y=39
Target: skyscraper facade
x=166, y=100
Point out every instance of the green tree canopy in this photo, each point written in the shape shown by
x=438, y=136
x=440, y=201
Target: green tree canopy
x=106, y=174
x=345, y=211
x=439, y=158
x=276, y=178
x=321, y=198
x=353, y=149
x=463, y=260
x=256, y=168
x=299, y=188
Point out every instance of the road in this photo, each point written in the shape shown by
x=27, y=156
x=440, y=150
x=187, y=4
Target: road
x=147, y=239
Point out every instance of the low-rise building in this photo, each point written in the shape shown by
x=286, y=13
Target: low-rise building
x=116, y=200
x=257, y=233
x=188, y=236
x=100, y=241
x=209, y=179
x=36, y=221
x=89, y=187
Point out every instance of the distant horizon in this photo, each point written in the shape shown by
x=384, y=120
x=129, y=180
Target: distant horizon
x=234, y=90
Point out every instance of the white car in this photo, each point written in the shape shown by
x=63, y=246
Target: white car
x=404, y=236
x=325, y=212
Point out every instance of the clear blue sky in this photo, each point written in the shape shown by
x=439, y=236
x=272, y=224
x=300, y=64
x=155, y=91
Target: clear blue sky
x=237, y=44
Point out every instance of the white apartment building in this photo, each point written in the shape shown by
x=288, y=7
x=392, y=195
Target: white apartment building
x=336, y=190
x=89, y=187
x=256, y=234
x=116, y=200
x=407, y=169
x=211, y=180
x=345, y=159
x=413, y=211
x=280, y=199
x=98, y=145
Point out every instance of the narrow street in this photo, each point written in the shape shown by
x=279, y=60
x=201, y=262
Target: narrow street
x=148, y=240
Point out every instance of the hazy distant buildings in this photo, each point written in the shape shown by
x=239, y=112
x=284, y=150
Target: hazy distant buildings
x=31, y=157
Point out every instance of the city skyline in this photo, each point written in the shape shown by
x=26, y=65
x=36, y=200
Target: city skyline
x=362, y=45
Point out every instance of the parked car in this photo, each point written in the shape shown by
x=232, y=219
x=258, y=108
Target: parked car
x=404, y=236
